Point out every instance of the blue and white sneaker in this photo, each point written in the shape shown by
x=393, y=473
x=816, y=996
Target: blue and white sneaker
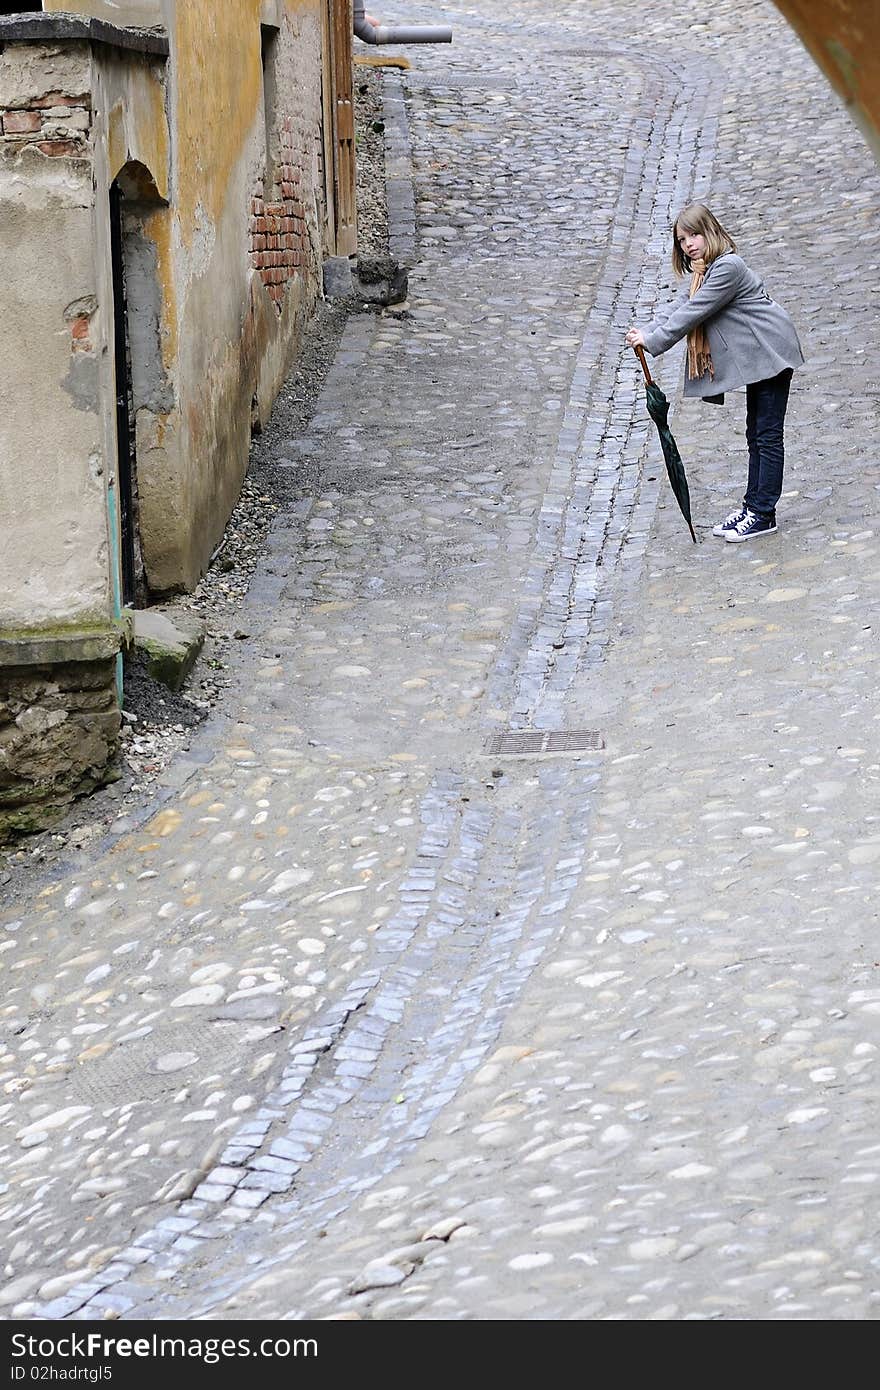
x=751, y=526
x=730, y=522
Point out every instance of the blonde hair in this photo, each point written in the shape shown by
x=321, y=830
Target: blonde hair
x=699, y=221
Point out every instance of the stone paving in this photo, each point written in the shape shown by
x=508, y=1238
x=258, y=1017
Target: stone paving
x=367, y=1023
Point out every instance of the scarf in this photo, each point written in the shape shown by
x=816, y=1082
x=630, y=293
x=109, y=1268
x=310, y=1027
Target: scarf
x=699, y=356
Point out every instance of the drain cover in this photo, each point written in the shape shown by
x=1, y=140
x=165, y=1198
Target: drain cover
x=514, y=743
x=128, y=1072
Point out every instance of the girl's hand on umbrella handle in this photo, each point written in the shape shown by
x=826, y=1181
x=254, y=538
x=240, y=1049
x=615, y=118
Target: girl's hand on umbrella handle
x=635, y=338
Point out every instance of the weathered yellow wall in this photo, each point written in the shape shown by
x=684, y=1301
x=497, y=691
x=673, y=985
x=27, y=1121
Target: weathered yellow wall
x=844, y=38
x=200, y=132
x=215, y=108
x=219, y=320
x=134, y=90
x=228, y=342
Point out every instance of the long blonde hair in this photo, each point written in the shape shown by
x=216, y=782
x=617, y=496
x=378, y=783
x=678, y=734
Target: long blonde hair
x=699, y=221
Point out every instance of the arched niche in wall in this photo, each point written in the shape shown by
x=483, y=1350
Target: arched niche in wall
x=144, y=391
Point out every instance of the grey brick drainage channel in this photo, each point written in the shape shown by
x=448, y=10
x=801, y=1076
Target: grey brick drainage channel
x=443, y=974
x=597, y=506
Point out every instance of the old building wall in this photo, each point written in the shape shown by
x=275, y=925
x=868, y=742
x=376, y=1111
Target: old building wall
x=54, y=560
x=202, y=141
x=237, y=317
x=133, y=150
x=287, y=203
x=59, y=716
x=232, y=261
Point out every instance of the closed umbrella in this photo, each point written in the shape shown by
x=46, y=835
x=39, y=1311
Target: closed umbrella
x=658, y=409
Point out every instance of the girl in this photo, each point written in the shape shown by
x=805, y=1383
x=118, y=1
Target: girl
x=737, y=336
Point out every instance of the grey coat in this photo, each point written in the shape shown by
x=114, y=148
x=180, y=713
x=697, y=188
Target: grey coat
x=750, y=337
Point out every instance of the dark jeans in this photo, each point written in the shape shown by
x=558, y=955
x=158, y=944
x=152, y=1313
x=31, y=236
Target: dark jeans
x=765, y=419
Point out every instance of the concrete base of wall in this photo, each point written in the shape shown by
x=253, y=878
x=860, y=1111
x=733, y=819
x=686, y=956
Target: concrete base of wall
x=59, y=725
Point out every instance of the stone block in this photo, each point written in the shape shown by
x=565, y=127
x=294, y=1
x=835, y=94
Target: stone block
x=58, y=739
x=169, y=643
x=337, y=278
x=43, y=647
x=381, y=280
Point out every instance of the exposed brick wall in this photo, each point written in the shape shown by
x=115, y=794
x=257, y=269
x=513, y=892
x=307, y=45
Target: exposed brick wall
x=79, y=316
x=58, y=124
x=279, y=241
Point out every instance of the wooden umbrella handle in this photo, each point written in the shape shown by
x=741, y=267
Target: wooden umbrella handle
x=640, y=354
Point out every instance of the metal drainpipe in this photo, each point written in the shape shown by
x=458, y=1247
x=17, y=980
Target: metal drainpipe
x=371, y=33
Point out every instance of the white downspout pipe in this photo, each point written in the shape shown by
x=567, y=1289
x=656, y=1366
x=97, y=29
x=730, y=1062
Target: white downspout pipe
x=372, y=33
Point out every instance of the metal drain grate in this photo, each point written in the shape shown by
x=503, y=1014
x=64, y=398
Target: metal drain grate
x=127, y=1073
x=514, y=743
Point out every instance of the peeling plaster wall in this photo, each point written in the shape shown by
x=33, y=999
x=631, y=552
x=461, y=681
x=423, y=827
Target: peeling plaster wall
x=223, y=262
x=54, y=558
x=234, y=341
x=133, y=146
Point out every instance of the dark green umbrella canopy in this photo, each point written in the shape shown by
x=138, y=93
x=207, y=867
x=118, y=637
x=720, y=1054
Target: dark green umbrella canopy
x=658, y=409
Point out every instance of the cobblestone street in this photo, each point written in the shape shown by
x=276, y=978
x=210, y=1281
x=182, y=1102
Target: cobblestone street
x=374, y=1018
